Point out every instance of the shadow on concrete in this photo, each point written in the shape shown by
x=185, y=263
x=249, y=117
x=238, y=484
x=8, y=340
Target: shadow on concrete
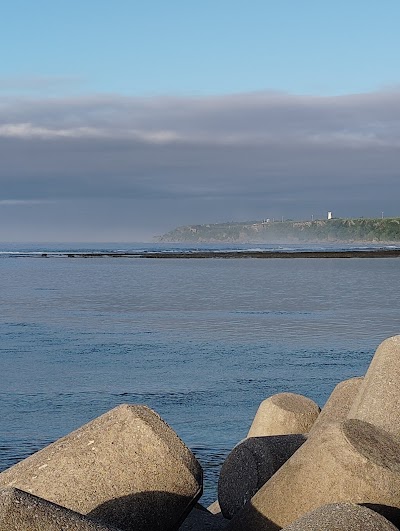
x=390, y=513
x=250, y=465
x=250, y=518
x=145, y=511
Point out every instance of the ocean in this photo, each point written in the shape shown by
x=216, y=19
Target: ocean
x=202, y=342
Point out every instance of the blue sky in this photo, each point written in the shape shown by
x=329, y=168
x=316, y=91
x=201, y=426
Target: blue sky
x=165, y=113
x=208, y=47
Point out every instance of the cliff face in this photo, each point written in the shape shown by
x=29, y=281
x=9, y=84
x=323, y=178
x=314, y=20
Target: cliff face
x=334, y=230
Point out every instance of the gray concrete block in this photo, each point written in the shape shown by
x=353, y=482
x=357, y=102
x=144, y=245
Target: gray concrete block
x=199, y=520
x=378, y=400
x=251, y=464
x=348, y=462
x=338, y=404
x=21, y=511
x=341, y=517
x=283, y=414
x=126, y=468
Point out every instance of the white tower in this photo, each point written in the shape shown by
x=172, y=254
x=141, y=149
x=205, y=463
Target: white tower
x=329, y=215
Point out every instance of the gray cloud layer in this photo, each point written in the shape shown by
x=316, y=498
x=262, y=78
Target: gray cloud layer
x=147, y=164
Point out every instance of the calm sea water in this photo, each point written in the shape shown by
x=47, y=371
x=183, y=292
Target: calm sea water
x=200, y=341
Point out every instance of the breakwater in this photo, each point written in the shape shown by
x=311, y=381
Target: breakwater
x=298, y=469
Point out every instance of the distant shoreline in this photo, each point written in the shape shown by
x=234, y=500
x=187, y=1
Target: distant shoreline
x=373, y=253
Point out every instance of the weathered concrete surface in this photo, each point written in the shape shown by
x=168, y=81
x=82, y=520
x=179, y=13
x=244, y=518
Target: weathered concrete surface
x=341, y=517
x=348, y=462
x=200, y=520
x=126, y=468
x=251, y=464
x=378, y=400
x=284, y=413
x=21, y=511
x=214, y=508
x=338, y=404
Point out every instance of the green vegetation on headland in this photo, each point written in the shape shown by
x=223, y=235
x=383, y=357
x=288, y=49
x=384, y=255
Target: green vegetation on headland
x=332, y=230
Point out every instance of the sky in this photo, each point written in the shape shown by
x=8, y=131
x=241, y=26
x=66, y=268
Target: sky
x=121, y=120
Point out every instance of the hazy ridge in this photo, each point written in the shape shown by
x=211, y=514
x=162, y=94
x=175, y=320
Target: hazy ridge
x=333, y=230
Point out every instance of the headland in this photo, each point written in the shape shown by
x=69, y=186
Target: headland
x=335, y=230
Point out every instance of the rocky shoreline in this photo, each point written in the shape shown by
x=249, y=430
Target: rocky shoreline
x=370, y=253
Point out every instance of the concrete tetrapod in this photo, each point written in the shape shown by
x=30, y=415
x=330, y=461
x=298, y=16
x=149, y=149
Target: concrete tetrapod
x=341, y=517
x=284, y=413
x=352, y=461
x=251, y=464
x=378, y=400
x=126, y=468
x=21, y=511
x=338, y=405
